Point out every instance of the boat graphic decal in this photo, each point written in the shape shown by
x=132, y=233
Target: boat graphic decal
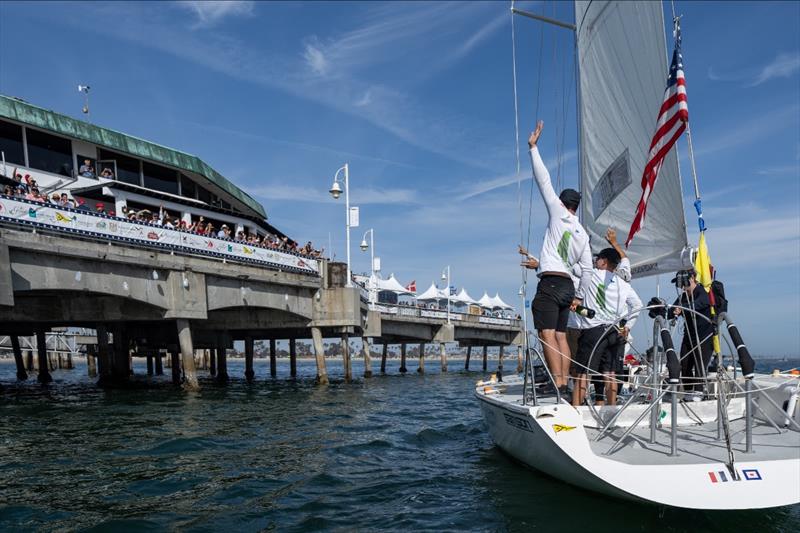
x=519, y=423
x=749, y=474
x=558, y=428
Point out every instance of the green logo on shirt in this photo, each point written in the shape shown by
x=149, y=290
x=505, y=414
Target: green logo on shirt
x=601, y=296
x=563, y=247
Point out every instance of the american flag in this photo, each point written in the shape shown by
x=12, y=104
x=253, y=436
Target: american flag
x=672, y=119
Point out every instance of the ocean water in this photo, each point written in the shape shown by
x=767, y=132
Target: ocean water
x=390, y=453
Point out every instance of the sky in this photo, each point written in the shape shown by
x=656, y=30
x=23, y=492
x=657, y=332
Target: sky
x=418, y=99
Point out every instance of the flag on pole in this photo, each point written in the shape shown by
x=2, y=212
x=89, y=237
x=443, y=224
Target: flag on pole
x=672, y=119
x=702, y=268
x=412, y=287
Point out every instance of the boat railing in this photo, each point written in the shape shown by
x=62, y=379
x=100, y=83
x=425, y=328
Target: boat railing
x=82, y=224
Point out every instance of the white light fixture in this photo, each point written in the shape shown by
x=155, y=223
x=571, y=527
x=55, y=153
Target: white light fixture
x=155, y=274
x=336, y=190
x=185, y=282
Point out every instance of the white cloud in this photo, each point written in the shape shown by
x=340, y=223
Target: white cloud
x=780, y=170
x=748, y=131
x=208, y=12
x=783, y=66
x=315, y=59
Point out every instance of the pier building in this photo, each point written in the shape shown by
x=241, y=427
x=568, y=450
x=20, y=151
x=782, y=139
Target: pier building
x=109, y=232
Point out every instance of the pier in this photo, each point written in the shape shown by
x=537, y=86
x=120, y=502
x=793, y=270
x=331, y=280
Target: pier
x=167, y=304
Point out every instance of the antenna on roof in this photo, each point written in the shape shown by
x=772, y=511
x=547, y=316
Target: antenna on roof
x=85, y=90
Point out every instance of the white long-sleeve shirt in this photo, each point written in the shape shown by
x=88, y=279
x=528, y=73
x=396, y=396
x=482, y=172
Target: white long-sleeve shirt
x=611, y=297
x=566, y=243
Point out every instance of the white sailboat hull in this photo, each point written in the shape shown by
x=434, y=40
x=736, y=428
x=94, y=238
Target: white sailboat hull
x=552, y=438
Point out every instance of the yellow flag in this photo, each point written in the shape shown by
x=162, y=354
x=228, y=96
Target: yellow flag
x=702, y=266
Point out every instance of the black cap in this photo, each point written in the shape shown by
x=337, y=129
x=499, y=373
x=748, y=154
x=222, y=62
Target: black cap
x=610, y=255
x=690, y=271
x=570, y=198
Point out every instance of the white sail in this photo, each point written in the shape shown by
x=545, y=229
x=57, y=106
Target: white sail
x=623, y=71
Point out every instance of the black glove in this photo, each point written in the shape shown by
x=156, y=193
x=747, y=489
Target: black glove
x=657, y=311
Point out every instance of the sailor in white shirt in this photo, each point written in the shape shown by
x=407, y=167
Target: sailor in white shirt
x=612, y=298
x=565, y=244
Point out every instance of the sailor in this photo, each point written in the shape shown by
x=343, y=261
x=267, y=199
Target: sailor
x=698, y=329
x=612, y=299
x=565, y=245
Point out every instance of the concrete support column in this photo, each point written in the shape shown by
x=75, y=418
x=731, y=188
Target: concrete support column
x=149, y=358
x=421, y=367
x=30, y=361
x=175, y=366
x=159, y=364
x=187, y=354
x=205, y=359
x=273, y=358
x=319, y=352
x=44, y=376
x=91, y=363
x=103, y=353
x=212, y=362
x=500, y=364
x=485, y=358
x=22, y=375
x=70, y=366
x=519, y=359
x=403, y=368
x=383, y=357
x=469, y=354
x=120, y=367
x=365, y=348
x=293, y=358
x=249, y=373
x=222, y=361
x=348, y=371
x=443, y=356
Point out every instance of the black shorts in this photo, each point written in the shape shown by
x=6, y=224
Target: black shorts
x=609, y=347
x=551, y=304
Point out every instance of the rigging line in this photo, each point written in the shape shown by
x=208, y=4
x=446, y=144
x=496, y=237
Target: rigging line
x=516, y=118
x=536, y=114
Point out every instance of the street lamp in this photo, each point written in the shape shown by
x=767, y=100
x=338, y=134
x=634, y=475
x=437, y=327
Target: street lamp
x=446, y=276
x=371, y=247
x=336, y=191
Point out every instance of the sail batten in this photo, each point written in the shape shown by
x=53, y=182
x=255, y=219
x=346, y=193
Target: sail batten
x=622, y=67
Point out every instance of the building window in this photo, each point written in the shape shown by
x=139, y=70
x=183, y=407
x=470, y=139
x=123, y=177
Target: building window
x=204, y=196
x=127, y=167
x=11, y=143
x=160, y=178
x=49, y=153
x=188, y=187
x=84, y=170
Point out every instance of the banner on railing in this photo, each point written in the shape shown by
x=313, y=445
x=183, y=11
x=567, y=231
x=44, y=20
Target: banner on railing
x=103, y=227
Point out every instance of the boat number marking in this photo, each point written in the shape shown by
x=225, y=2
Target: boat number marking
x=519, y=423
x=558, y=428
x=749, y=474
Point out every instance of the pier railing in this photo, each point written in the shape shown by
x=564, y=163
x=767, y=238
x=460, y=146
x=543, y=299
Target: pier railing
x=421, y=312
x=97, y=226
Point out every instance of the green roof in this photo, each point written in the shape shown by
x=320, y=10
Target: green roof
x=21, y=111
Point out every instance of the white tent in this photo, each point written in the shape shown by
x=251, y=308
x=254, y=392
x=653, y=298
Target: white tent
x=463, y=297
x=486, y=301
x=499, y=303
x=433, y=293
x=390, y=284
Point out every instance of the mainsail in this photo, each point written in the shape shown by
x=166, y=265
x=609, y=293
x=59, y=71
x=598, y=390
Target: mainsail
x=622, y=72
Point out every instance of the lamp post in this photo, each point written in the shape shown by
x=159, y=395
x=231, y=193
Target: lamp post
x=446, y=276
x=336, y=191
x=371, y=247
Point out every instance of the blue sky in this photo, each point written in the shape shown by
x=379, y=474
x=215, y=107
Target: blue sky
x=417, y=97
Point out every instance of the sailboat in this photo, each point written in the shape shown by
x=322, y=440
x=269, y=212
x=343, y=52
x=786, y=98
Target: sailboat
x=736, y=447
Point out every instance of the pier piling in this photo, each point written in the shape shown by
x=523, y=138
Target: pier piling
x=187, y=354
x=403, y=368
x=149, y=358
x=319, y=353
x=443, y=356
x=421, y=367
x=44, y=376
x=348, y=371
x=273, y=358
x=365, y=349
x=293, y=358
x=212, y=362
x=519, y=360
x=70, y=366
x=222, y=361
x=120, y=367
x=383, y=357
x=500, y=364
x=159, y=363
x=103, y=354
x=22, y=375
x=249, y=373
x=175, y=366
x=29, y=360
x=469, y=354
x=485, y=358
x=91, y=363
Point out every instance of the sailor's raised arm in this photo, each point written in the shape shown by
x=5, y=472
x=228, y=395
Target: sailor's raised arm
x=623, y=269
x=540, y=173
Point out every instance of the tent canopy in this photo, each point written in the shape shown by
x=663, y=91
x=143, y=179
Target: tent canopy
x=463, y=297
x=499, y=303
x=433, y=293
